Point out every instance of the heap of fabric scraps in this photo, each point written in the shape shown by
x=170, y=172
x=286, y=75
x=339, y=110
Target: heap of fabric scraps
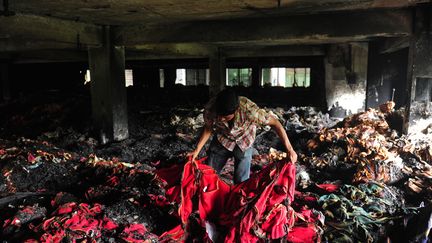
x=359, y=140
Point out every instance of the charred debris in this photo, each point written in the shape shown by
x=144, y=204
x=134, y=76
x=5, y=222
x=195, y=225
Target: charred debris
x=58, y=184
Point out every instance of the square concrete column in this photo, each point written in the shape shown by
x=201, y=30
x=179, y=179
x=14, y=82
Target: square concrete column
x=170, y=75
x=217, y=73
x=108, y=91
x=419, y=85
x=256, y=76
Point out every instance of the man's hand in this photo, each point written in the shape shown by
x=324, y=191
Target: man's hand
x=193, y=154
x=292, y=155
x=277, y=126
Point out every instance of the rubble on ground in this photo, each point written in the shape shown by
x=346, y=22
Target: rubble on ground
x=58, y=182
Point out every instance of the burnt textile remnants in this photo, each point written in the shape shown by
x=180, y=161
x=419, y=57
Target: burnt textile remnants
x=382, y=177
x=54, y=196
x=357, y=180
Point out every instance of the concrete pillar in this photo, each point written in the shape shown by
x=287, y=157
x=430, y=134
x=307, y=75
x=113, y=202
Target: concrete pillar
x=108, y=91
x=5, y=82
x=419, y=85
x=265, y=74
x=217, y=73
x=256, y=77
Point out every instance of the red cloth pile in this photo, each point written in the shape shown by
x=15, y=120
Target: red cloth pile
x=73, y=222
x=259, y=208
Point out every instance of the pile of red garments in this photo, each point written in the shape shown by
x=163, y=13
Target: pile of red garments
x=73, y=221
x=77, y=222
x=254, y=210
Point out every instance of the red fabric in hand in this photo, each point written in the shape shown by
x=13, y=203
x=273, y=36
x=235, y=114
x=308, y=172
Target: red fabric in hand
x=254, y=209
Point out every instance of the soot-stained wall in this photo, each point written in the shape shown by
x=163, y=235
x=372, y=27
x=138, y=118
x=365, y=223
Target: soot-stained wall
x=420, y=108
x=346, y=78
x=387, y=71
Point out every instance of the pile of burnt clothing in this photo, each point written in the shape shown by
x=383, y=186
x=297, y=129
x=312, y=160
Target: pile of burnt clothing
x=363, y=150
x=418, y=165
x=362, y=142
x=81, y=143
x=355, y=213
x=186, y=120
x=301, y=124
x=98, y=199
x=363, y=147
x=147, y=145
x=63, y=120
x=308, y=119
x=29, y=165
x=157, y=135
x=70, y=222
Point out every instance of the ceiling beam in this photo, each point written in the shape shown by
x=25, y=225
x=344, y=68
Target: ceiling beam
x=166, y=51
x=30, y=32
x=305, y=29
x=274, y=51
x=169, y=51
x=45, y=56
x=192, y=50
x=394, y=44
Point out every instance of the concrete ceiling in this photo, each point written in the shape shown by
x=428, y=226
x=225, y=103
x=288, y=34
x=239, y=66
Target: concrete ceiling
x=191, y=28
x=138, y=12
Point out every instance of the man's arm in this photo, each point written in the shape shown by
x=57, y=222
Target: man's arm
x=277, y=126
x=205, y=135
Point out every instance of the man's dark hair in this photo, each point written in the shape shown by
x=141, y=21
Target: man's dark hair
x=226, y=102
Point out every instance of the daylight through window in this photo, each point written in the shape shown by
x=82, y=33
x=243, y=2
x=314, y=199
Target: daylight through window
x=239, y=77
x=286, y=77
